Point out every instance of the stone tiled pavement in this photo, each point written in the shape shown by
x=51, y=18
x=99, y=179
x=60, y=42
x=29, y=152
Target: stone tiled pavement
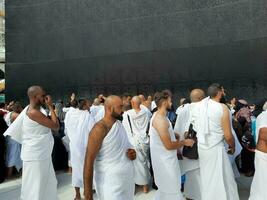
x=10, y=190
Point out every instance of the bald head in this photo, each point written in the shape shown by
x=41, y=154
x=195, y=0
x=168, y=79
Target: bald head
x=113, y=107
x=136, y=102
x=142, y=98
x=111, y=100
x=34, y=91
x=197, y=95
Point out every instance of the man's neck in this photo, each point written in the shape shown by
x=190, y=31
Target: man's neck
x=137, y=110
x=109, y=119
x=162, y=111
x=216, y=99
x=33, y=105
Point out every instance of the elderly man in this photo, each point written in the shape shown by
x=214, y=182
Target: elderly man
x=136, y=121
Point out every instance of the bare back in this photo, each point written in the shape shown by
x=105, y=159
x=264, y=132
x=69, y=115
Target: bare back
x=262, y=142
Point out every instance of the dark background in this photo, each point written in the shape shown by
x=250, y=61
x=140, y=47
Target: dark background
x=136, y=46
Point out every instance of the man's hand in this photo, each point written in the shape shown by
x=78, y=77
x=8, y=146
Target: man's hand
x=131, y=154
x=48, y=101
x=231, y=151
x=72, y=97
x=177, y=136
x=189, y=142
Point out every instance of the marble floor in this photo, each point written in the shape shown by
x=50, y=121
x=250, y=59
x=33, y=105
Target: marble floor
x=10, y=190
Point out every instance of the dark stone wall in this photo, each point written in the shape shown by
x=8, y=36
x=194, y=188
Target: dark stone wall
x=103, y=46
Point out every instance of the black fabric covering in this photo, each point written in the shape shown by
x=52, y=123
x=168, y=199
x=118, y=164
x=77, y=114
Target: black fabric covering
x=59, y=154
x=3, y=128
x=102, y=46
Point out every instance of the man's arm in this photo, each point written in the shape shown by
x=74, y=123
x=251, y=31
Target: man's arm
x=95, y=140
x=226, y=126
x=263, y=134
x=40, y=118
x=162, y=126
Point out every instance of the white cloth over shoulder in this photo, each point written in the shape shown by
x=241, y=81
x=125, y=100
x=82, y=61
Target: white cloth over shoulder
x=202, y=123
x=114, y=172
x=182, y=120
x=139, y=139
x=13, y=148
x=37, y=141
x=95, y=109
x=261, y=122
x=38, y=176
x=15, y=129
x=100, y=114
x=165, y=166
x=79, y=144
x=153, y=105
x=215, y=167
x=189, y=167
x=258, y=188
x=146, y=109
x=71, y=122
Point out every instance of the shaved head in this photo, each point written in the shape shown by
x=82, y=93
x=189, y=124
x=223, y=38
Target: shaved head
x=197, y=95
x=112, y=100
x=113, y=107
x=36, y=95
x=142, y=97
x=33, y=91
x=136, y=100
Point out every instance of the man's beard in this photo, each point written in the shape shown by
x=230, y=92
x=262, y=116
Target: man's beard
x=169, y=109
x=117, y=116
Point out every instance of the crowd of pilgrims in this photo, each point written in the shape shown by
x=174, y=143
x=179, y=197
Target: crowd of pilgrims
x=78, y=116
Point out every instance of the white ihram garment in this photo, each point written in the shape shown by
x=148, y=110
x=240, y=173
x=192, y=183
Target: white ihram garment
x=165, y=166
x=114, y=172
x=216, y=171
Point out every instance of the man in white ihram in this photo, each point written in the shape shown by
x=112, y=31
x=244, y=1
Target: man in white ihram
x=258, y=187
x=79, y=143
x=163, y=146
x=213, y=127
x=189, y=167
x=109, y=157
x=38, y=176
x=135, y=122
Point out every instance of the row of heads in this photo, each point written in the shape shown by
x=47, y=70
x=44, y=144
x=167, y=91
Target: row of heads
x=38, y=95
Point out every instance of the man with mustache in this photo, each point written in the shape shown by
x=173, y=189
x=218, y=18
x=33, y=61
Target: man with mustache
x=109, y=157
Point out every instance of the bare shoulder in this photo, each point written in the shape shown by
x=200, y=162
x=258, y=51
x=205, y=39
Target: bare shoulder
x=160, y=121
x=263, y=133
x=99, y=129
x=225, y=109
x=35, y=114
